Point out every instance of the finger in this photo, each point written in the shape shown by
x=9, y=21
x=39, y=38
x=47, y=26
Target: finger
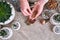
x=31, y=18
x=39, y=11
x=35, y=7
x=29, y=10
x=24, y=13
x=35, y=12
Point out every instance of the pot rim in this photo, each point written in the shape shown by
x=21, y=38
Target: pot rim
x=52, y=21
x=55, y=28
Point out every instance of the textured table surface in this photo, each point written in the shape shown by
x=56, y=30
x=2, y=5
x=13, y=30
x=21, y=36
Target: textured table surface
x=35, y=31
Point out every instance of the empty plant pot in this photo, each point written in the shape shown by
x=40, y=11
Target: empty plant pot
x=56, y=29
x=16, y=26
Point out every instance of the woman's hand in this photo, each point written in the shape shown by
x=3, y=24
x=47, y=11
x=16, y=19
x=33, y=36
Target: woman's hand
x=25, y=8
x=38, y=8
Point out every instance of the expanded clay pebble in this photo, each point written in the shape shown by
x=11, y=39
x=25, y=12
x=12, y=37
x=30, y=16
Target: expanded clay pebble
x=52, y=4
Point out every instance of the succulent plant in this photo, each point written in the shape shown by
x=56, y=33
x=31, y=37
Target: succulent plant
x=57, y=17
x=5, y=11
x=3, y=33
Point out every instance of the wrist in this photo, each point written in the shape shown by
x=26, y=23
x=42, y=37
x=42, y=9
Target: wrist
x=43, y=2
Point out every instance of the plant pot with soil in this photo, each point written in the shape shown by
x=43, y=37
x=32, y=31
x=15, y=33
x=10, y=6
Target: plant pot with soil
x=6, y=33
x=55, y=19
x=7, y=12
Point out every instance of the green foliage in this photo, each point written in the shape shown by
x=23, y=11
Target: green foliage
x=5, y=11
x=3, y=33
x=57, y=17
